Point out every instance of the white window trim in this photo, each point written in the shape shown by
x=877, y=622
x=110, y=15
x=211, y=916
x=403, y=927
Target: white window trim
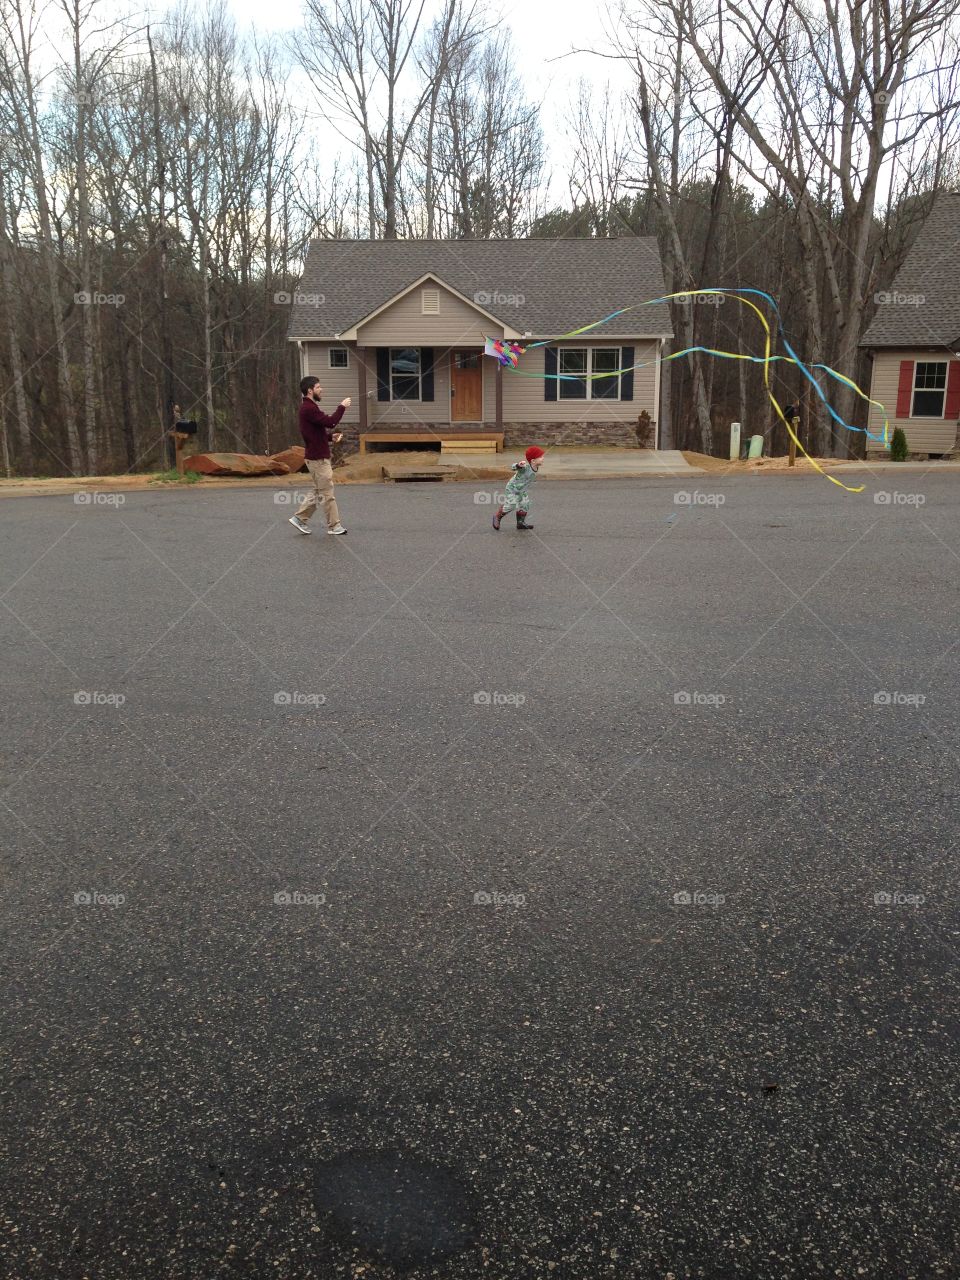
x=930, y=417
x=331, y=365
x=406, y=399
x=590, y=370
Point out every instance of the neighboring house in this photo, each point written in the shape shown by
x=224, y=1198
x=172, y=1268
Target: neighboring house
x=399, y=325
x=914, y=338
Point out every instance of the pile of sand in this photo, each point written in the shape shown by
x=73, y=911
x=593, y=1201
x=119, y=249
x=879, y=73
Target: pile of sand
x=746, y=467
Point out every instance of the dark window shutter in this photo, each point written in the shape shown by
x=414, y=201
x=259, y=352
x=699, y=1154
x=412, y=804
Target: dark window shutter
x=550, y=372
x=426, y=373
x=626, y=379
x=952, y=407
x=905, y=389
x=383, y=373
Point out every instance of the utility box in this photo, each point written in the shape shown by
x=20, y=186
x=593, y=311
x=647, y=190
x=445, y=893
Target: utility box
x=734, y=441
x=756, y=447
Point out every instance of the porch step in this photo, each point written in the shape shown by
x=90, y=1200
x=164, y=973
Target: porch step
x=400, y=474
x=468, y=446
x=409, y=436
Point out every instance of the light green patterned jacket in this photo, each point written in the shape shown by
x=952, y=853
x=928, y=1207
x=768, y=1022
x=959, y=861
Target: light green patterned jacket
x=518, y=487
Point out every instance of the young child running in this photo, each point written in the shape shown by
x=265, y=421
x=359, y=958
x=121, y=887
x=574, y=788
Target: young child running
x=517, y=493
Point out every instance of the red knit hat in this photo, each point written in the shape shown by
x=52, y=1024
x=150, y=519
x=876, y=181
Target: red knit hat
x=533, y=452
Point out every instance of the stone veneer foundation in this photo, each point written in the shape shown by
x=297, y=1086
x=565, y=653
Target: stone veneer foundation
x=621, y=435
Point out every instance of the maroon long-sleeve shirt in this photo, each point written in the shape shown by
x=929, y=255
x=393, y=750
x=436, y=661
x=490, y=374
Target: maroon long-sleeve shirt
x=314, y=426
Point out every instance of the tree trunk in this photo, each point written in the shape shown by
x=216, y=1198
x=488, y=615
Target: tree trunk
x=11, y=308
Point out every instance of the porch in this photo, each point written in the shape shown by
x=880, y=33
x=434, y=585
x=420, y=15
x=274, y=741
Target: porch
x=462, y=392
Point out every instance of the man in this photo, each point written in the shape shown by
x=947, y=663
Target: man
x=318, y=434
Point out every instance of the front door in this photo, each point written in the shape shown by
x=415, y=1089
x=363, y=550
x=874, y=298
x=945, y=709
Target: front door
x=466, y=385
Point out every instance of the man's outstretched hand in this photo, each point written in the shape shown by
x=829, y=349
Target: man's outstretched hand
x=346, y=402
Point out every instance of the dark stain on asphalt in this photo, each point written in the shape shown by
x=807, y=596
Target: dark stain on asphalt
x=408, y=1211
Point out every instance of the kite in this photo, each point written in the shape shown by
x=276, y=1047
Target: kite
x=508, y=354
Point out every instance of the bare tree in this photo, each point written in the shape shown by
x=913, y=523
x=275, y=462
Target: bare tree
x=18, y=29
x=600, y=165
x=357, y=52
x=11, y=295
x=830, y=75
x=659, y=107
x=485, y=146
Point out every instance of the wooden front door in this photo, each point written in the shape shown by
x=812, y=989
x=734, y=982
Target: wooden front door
x=466, y=384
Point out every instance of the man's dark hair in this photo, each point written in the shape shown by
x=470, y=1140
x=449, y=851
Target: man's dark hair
x=307, y=383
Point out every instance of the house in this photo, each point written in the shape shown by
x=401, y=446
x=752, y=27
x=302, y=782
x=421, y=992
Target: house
x=914, y=338
x=400, y=325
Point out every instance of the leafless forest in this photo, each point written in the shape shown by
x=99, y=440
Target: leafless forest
x=159, y=184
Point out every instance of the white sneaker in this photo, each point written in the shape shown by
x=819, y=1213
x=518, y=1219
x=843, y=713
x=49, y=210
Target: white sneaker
x=300, y=524
x=337, y=528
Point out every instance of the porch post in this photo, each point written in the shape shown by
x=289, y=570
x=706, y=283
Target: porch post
x=362, y=386
x=499, y=396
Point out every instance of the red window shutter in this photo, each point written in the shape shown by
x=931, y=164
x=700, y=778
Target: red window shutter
x=905, y=389
x=952, y=409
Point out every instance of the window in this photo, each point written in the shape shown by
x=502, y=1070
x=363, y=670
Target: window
x=405, y=373
x=338, y=357
x=603, y=363
x=572, y=365
x=430, y=302
x=606, y=360
x=929, y=388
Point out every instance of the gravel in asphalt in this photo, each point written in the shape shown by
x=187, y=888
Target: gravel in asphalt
x=433, y=902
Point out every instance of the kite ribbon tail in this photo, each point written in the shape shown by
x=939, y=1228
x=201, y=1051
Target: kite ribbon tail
x=586, y=328
x=767, y=359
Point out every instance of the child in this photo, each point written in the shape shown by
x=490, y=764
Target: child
x=517, y=496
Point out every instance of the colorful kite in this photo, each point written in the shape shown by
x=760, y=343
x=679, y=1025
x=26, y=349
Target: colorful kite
x=507, y=353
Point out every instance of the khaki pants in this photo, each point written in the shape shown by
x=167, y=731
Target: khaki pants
x=321, y=472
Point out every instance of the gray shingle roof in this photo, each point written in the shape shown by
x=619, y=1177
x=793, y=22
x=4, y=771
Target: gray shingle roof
x=563, y=284
x=931, y=272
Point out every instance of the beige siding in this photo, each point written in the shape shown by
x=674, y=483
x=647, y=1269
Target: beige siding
x=404, y=324
x=336, y=383
x=523, y=397
x=490, y=393
x=407, y=413
x=924, y=435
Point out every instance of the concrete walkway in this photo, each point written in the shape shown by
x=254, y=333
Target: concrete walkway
x=587, y=464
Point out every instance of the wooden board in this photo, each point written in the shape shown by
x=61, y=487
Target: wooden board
x=427, y=437
x=468, y=446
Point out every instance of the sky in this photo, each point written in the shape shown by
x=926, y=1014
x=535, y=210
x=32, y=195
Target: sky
x=542, y=32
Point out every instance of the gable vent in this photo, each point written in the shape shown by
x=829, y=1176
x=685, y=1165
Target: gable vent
x=431, y=302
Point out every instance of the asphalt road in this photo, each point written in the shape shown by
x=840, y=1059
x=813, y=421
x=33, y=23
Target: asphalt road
x=579, y=1074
